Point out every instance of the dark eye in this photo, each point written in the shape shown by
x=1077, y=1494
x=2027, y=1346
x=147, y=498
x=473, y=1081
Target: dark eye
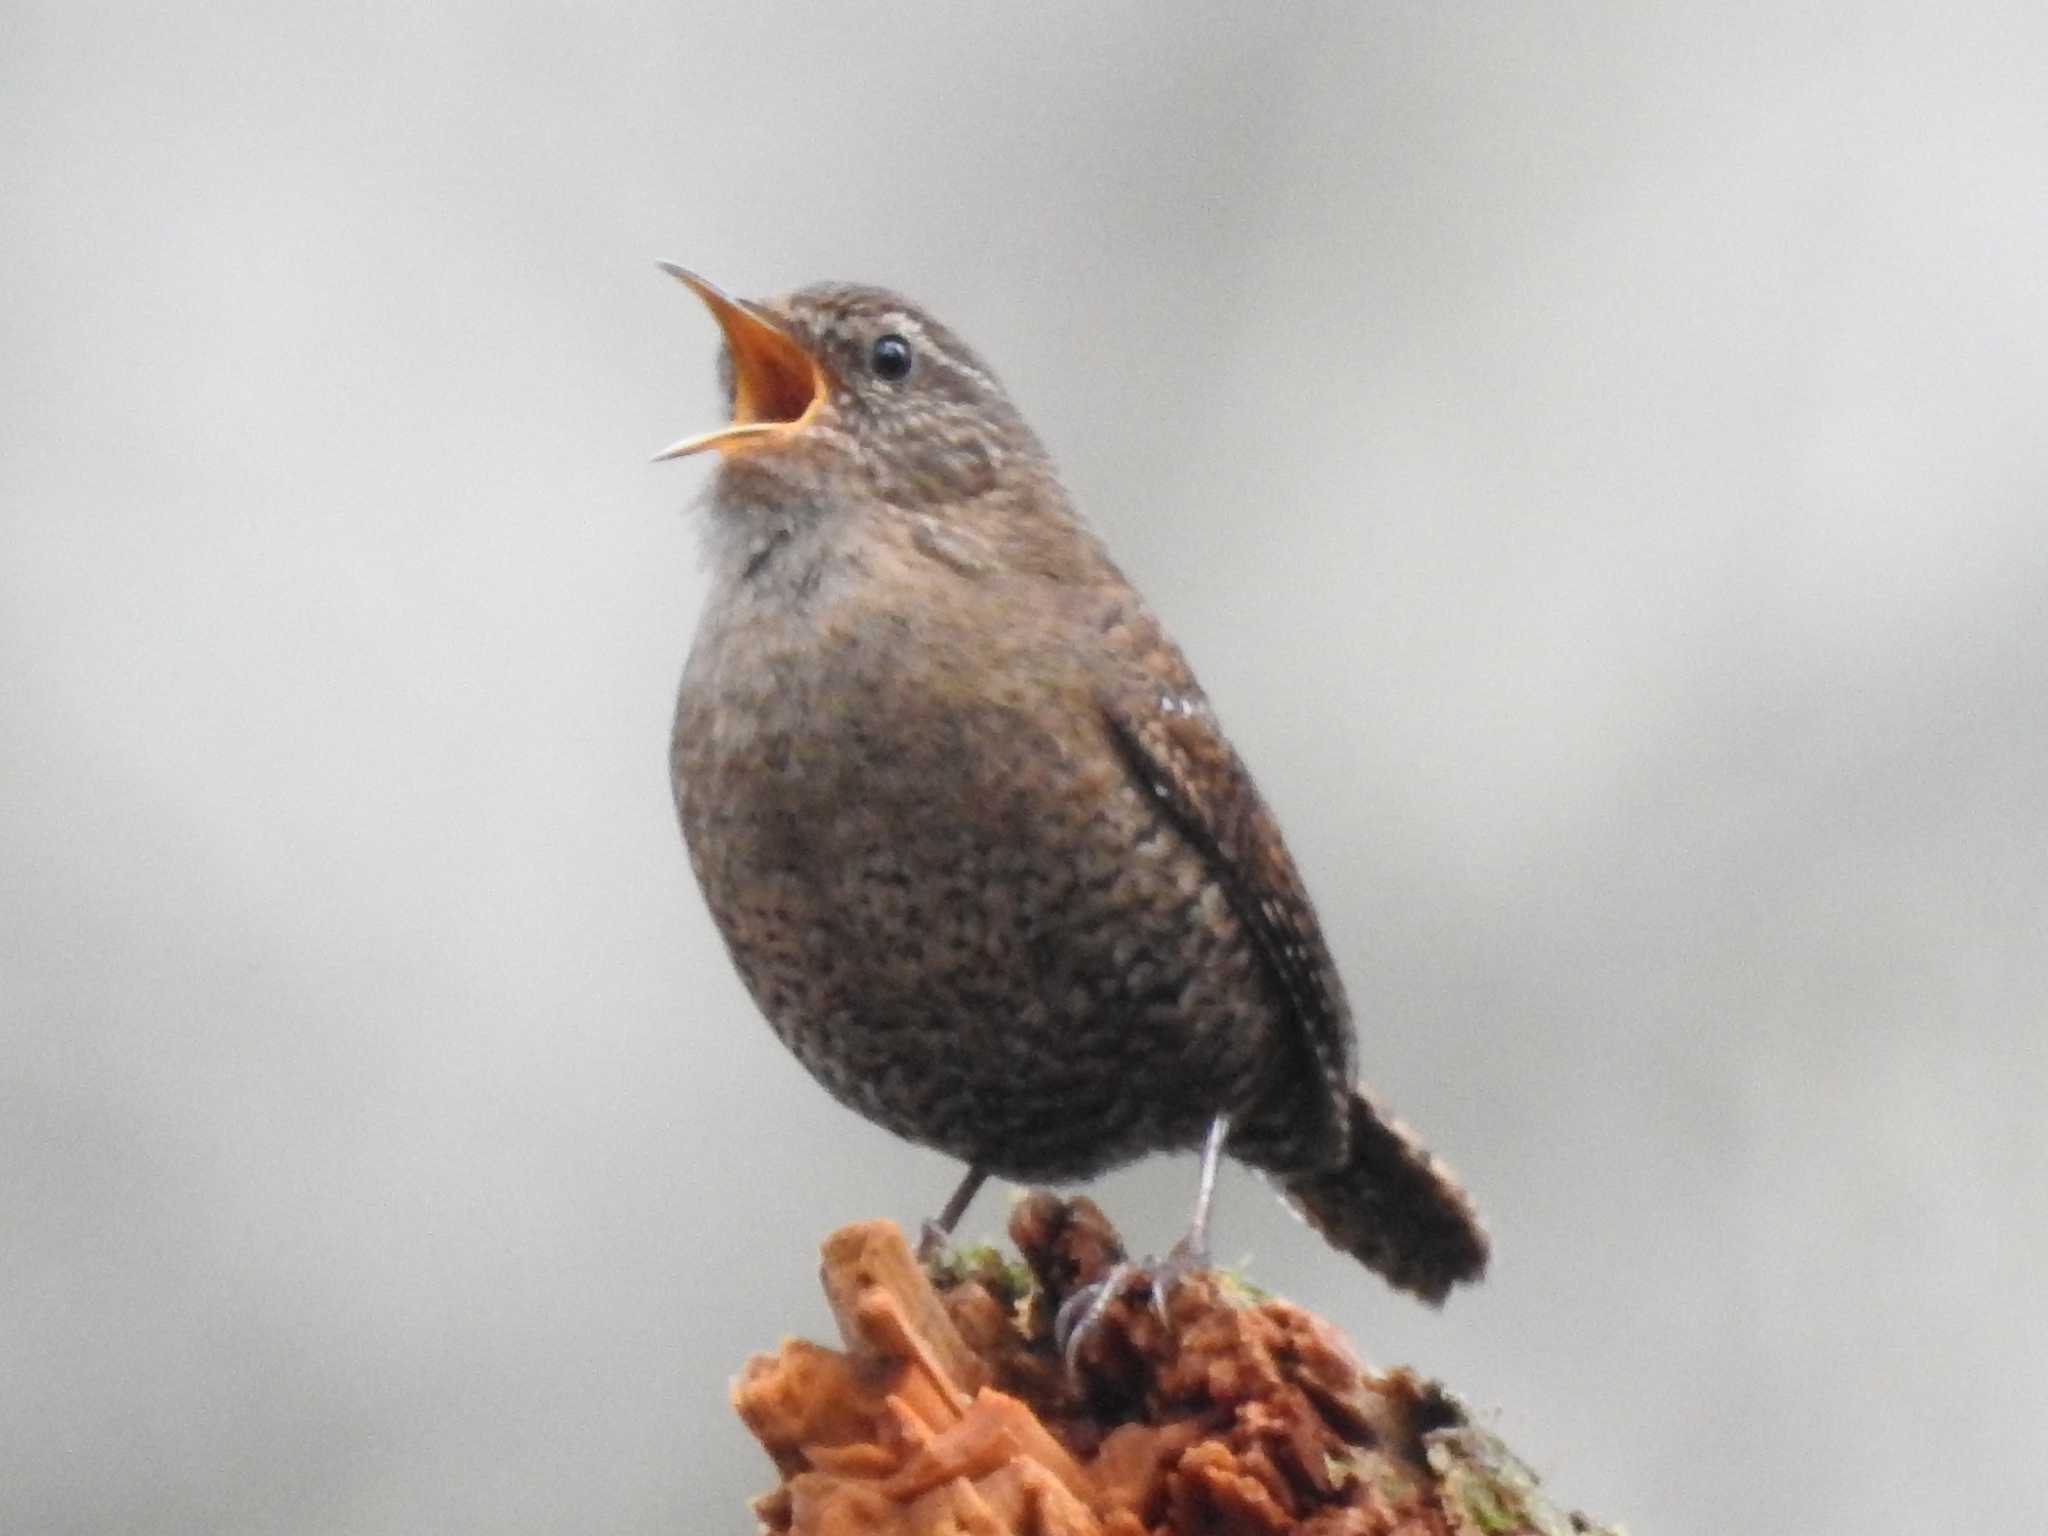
x=891, y=357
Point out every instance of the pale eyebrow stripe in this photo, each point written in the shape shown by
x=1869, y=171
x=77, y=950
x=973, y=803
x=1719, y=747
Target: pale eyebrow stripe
x=912, y=329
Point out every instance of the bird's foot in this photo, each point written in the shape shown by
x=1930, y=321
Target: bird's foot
x=936, y=1235
x=932, y=1242
x=1083, y=1310
x=1082, y=1313
x=1188, y=1256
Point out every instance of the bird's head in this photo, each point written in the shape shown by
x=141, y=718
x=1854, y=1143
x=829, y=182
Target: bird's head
x=840, y=391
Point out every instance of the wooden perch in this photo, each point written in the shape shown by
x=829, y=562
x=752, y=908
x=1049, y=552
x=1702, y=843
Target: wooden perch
x=948, y=1413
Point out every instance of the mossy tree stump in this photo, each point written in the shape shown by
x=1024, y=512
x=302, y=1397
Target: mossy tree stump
x=949, y=1413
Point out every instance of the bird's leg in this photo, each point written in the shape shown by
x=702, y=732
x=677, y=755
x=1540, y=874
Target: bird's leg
x=1191, y=1253
x=1081, y=1313
x=1193, y=1248
x=931, y=1242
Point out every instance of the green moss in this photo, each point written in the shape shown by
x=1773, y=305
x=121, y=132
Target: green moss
x=1008, y=1280
x=1238, y=1291
x=1488, y=1491
x=1386, y=1477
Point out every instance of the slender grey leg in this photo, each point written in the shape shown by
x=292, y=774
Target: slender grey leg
x=1194, y=1248
x=1081, y=1314
x=932, y=1241
x=1192, y=1251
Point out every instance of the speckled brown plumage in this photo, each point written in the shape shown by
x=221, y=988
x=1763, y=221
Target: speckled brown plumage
x=967, y=822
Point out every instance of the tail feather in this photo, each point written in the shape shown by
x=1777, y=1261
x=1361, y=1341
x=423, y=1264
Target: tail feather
x=1394, y=1208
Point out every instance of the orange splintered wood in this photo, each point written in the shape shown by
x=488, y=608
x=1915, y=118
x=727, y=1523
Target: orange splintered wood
x=885, y=1306
x=926, y=1402
x=1036, y=1445
x=1129, y=1471
x=806, y=1397
x=1030, y=1498
x=994, y=1433
x=957, y=1508
x=832, y=1506
x=1233, y=1416
x=1211, y=1490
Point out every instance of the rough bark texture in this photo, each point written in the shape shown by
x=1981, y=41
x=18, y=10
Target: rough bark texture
x=948, y=1413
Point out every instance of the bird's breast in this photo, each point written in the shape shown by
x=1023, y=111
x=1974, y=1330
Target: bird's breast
x=931, y=866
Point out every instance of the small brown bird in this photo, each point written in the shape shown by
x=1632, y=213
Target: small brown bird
x=967, y=822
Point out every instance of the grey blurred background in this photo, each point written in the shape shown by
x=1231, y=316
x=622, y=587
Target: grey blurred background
x=1594, y=454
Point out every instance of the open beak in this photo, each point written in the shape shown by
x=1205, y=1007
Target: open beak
x=776, y=384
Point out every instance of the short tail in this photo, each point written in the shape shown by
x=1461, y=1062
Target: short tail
x=1394, y=1208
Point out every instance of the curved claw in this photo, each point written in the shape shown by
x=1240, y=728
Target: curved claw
x=1082, y=1312
x=931, y=1241
x=1187, y=1257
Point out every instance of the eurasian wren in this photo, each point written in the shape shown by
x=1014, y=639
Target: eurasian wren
x=967, y=822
